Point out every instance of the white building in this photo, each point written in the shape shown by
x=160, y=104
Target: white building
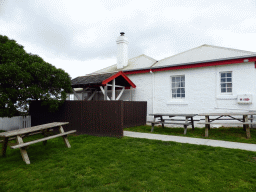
x=204, y=79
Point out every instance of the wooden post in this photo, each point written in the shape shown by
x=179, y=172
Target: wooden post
x=207, y=126
x=161, y=117
x=4, y=147
x=113, y=89
x=192, y=122
x=185, y=126
x=152, y=128
x=251, y=126
x=23, y=151
x=246, y=127
x=64, y=137
x=130, y=93
x=105, y=95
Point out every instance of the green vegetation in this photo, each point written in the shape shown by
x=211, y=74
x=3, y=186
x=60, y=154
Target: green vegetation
x=127, y=164
x=25, y=77
x=225, y=134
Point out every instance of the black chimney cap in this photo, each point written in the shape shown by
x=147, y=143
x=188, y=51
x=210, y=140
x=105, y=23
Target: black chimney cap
x=122, y=33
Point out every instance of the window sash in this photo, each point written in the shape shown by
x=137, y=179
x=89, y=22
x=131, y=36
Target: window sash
x=226, y=82
x=178, y=87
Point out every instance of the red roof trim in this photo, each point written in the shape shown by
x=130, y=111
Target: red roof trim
x=189, y=66
x=138, y=71
x=117, y=75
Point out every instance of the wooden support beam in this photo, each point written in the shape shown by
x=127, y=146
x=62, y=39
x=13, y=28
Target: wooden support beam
x=23, y=151
x=113, y=90
x=130, y=93
x=110, y=85
x=105, y=91
x=76, y=95
x=64, y=137
x=84, y=91
x=120, y=94
x=246, y=127
x=186, y=126
x=102, y=90
x=4, y=147
x=90, y=98
x=207, y=126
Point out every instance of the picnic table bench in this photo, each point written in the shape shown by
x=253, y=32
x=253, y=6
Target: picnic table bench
x=188, y=120
x=40, y=129
x=242, y=120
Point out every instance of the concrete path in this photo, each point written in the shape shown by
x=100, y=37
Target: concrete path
x=190, y=140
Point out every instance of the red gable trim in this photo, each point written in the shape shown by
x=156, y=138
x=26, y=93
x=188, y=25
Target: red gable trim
x=189, y=66
x=117, y=75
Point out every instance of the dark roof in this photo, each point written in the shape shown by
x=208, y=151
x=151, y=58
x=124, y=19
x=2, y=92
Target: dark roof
x=101, y=79
x=91, y=79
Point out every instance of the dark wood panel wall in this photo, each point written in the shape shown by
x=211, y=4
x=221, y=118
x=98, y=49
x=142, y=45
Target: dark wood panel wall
x=102, y=118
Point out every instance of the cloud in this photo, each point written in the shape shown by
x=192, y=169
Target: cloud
x=82, y=31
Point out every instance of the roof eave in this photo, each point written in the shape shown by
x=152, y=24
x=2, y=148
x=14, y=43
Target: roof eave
x=148, y=69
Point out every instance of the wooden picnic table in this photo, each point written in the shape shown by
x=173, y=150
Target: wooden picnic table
x=241, y=117
x=187, y=119
x=40, y=129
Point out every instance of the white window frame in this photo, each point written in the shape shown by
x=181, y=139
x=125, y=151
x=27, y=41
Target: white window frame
x=225, y=82
x=177, y=87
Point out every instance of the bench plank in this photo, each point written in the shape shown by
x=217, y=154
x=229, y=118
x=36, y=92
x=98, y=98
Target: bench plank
x=179, y=120
x=164, y=122
x=238, y=123
x=43, y=139
x=34, y=133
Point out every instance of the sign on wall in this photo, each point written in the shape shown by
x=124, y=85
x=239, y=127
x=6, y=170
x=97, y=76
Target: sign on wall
x=244, y=99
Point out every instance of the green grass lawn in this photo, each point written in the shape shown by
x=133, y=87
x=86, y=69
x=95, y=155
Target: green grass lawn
x=225, y=134
x=127, y=164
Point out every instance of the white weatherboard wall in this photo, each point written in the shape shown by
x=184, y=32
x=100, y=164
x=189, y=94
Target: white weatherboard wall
x=19, y=122
x=143, y=90
x=202, y=87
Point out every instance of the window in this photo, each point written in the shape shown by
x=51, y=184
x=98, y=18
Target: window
x=226, y=82
x=178, y=87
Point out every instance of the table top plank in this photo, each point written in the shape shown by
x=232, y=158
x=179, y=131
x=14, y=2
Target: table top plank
x=31, y=129
x=173, y=114
x=226, y=114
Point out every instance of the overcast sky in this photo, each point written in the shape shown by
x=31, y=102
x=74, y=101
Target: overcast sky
x=79, y=36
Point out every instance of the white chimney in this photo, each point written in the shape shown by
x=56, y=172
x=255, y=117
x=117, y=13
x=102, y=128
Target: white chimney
x=122, y=51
